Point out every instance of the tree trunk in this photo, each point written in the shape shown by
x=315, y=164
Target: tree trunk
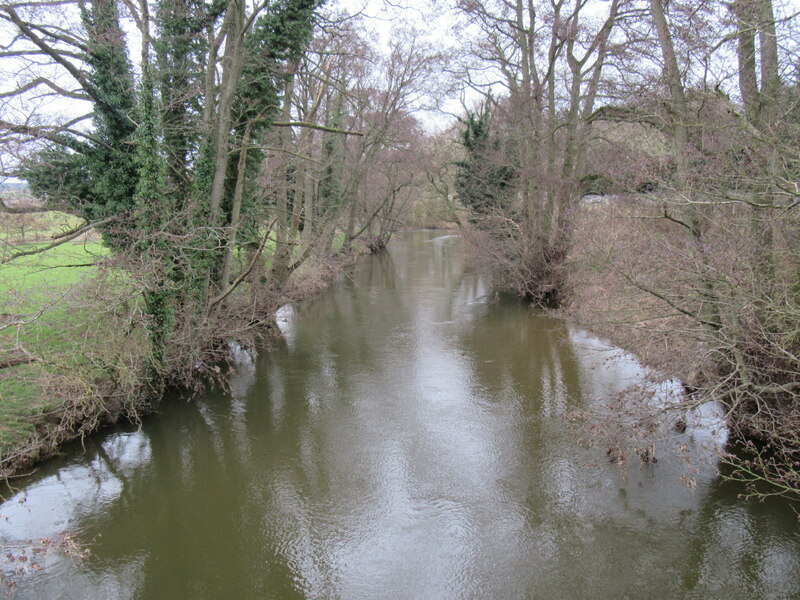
x=236, y=208
x=709, y=309
x=232, y=68
x=755, y=18
x=283, y=234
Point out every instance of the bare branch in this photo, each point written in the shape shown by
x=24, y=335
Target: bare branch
x=69, y=236
x=236, y=282
x=315, y=126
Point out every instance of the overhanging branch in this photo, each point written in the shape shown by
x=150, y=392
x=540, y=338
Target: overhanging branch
x=315, y=126
x=229, y=290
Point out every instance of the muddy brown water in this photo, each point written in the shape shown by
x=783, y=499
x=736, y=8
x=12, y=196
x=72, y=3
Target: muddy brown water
x=407, y=438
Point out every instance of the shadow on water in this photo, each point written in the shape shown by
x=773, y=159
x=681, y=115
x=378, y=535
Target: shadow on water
x=405, y=439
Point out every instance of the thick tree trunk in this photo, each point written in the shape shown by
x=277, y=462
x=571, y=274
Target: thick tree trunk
x=755, y=20
x=283, y=234
x=231, y=72
x=236, y=209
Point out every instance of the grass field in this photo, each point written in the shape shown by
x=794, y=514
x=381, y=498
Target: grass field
x=39, y=291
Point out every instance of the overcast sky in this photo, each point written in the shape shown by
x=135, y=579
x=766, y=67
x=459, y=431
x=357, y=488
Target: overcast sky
x=434, y=18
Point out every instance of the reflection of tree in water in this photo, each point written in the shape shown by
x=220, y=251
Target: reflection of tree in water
x=532, y=354
x=196, y=501
x=516, y=356
x=740, y=549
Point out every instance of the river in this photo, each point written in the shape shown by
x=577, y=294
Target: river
x=407, y=437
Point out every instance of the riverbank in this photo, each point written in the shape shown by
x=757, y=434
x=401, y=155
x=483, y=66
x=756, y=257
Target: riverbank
x=704, y=312
x=408, y=431
x=615, y=258
x=72, y=346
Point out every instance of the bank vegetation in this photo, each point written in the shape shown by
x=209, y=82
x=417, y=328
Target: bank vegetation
x=202, y=163
x=635, y=163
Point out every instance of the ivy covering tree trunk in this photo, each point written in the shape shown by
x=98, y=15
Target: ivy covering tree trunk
x=168, y=165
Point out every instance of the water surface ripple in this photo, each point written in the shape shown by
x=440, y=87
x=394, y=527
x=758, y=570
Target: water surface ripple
x=406, y=439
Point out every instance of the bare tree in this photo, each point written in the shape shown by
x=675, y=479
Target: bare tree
x=549, y=59
x=702, y=244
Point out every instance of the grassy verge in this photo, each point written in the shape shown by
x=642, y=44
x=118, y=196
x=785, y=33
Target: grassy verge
x=41, y=320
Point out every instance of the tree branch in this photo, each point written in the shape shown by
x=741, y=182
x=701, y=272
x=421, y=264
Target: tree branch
x=18, y=359
x=236, y=282
x=43, y=81
x=54, y=134
x=27, y=30
x=315, y=126
x=69, y=236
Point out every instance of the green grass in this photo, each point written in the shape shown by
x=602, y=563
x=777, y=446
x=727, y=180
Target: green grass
x=34, y=279
x=22, y=403
x=47, y=283
x=35, y=226
x=40, y=288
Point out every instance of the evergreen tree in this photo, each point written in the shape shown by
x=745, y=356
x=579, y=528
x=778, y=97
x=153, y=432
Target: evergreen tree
x=485, y=177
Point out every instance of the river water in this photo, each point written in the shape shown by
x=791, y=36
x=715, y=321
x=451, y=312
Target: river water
x=408, y=437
